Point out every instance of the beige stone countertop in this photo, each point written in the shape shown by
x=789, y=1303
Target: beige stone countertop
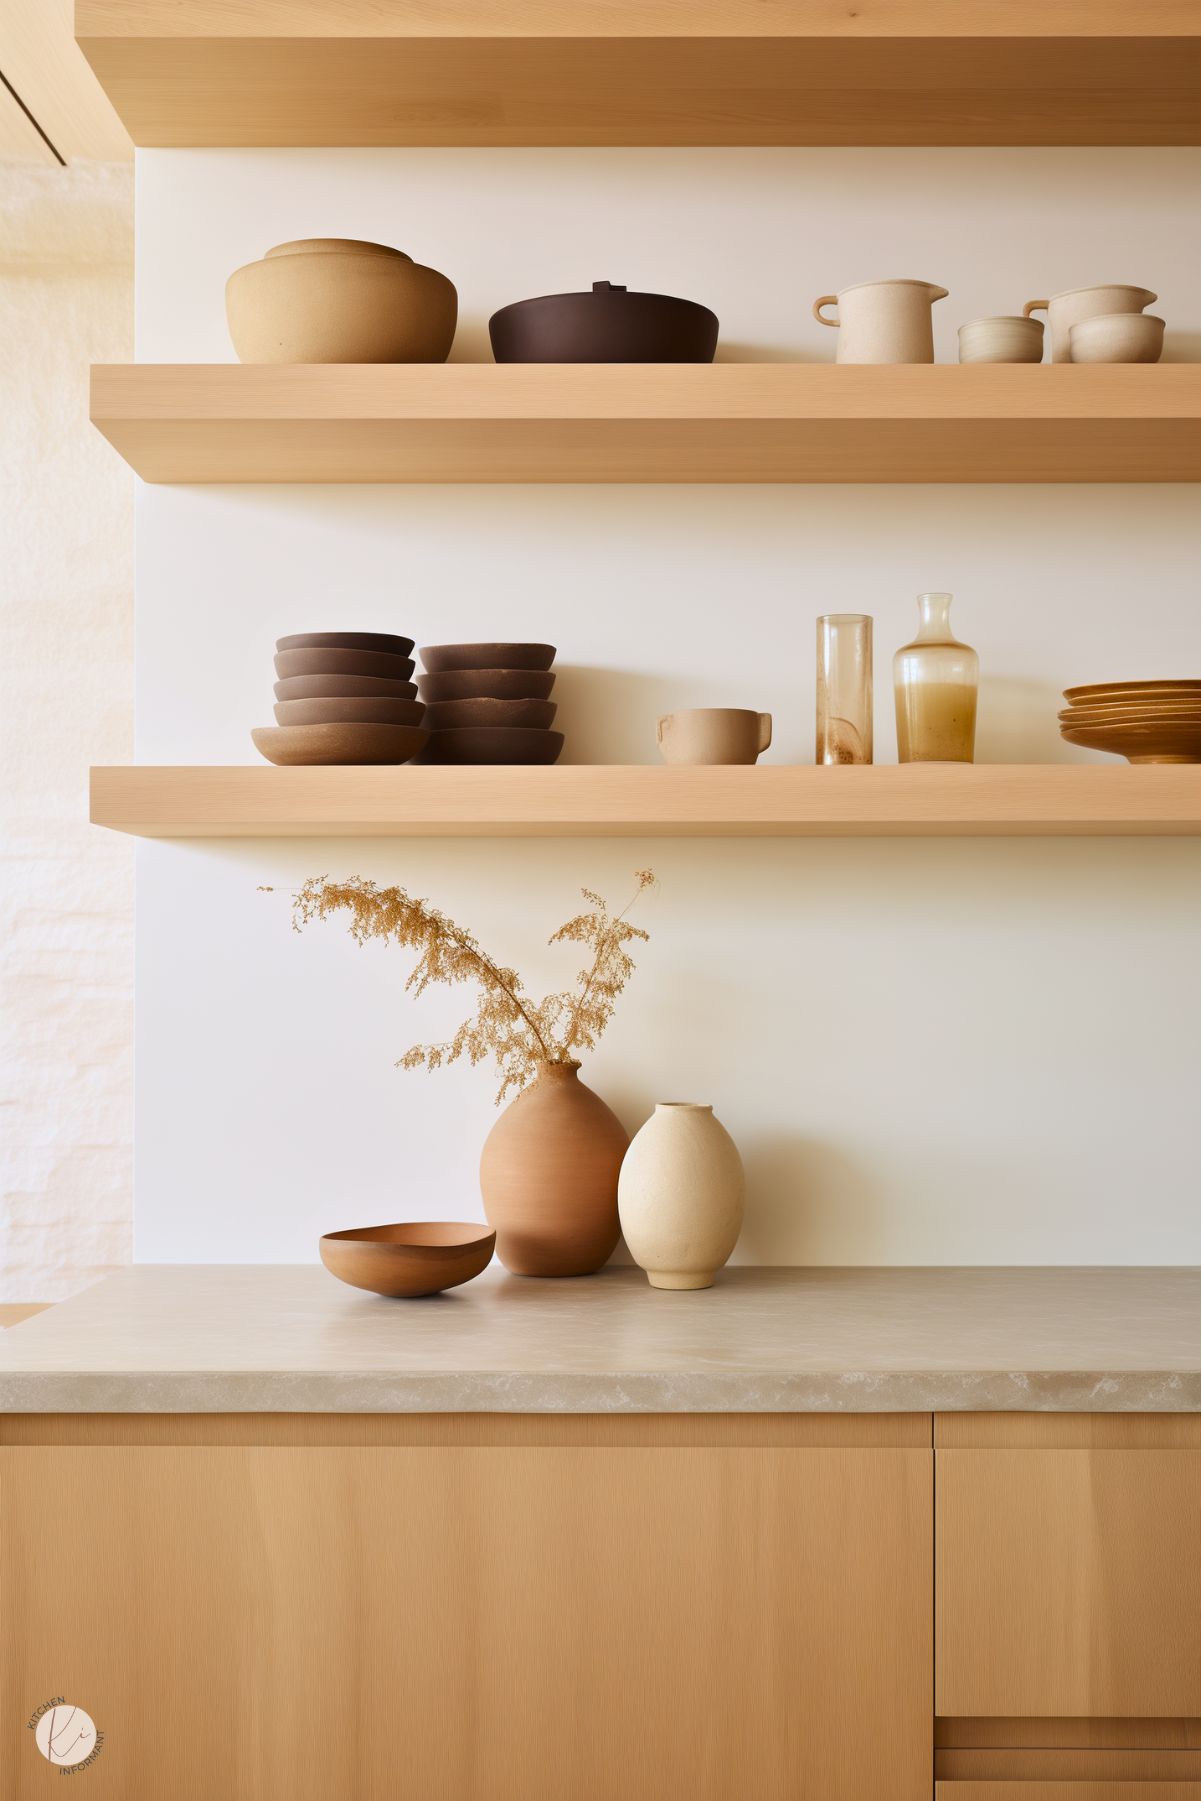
x=289, y=1338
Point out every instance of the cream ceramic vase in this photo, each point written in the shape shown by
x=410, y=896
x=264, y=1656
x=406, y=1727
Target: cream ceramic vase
x=883, y=321
x=1069, y=308
x=340, y=300
x=681, y=1196
x=548, y=1176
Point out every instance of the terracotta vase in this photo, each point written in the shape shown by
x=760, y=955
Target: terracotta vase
x=681, y=1196
x=548, y=1175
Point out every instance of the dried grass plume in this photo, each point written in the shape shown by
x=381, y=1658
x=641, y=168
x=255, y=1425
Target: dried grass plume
x=507, y=1024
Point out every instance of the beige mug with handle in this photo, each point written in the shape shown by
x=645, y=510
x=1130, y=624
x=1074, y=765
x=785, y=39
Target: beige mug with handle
x=714, y=735
x=1074, y=304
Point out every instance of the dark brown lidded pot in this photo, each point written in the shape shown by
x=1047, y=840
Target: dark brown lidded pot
x=609, y=325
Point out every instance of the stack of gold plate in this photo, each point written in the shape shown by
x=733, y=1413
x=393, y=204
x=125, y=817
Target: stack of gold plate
x=1145, y=722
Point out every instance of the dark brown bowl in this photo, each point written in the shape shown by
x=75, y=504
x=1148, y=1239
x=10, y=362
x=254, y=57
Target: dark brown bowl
x=450, y=715
x=609, y=325
x=486, y=684
x=343, y=662
x=493, y=744
x=437, y=657
x=349, y=710
x=338, y=687
x=387, y=642
x=412, y=1258
x=309, y=746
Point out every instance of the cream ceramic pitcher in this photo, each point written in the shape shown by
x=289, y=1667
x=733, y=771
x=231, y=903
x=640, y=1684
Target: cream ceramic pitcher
x=1069, y=308
x=883, y=321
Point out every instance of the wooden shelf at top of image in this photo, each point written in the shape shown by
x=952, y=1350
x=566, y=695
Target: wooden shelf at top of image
x=662, y=422
x=597, y=801
x=256, y=72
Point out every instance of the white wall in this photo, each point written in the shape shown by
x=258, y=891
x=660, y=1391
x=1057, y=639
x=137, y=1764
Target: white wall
x=66, y=649
x=929, y=1052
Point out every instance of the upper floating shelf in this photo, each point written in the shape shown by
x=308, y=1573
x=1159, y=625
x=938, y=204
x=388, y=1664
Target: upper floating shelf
x=726, y=422
x=585, y=800
x=257, y=72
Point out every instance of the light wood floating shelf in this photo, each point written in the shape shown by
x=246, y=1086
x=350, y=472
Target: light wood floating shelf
x=648, y=71
x=578, y=800
x=726, y=422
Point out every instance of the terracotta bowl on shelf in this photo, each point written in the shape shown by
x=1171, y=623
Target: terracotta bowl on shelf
x=493, y=744
x=310, y=746
x=414, y=1257
x=1166, y=741
x=450, y=715
x=1170, y=688
x=327, y=687
x=387, y=642
x=437, y=657
x=349, y=710
x=343, y=662
x=486, y=684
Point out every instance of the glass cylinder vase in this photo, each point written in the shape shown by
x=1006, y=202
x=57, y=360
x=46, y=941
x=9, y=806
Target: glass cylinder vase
x=844, y=688
x=936, y=680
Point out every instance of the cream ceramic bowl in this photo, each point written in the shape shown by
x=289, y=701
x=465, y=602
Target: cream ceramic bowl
x=1117, y=338
x=1005, y=340
x=1075, y=304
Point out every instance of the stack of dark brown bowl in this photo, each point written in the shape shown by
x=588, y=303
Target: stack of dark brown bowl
x=489, y=703
x=343, y=697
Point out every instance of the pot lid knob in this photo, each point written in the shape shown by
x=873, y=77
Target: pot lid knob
x=608, y=287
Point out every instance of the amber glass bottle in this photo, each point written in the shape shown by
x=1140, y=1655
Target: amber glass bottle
x=936, y=680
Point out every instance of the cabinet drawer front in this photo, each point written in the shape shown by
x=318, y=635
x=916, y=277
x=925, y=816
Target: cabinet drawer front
x=1068, y=1583
x=1068, y=1791
x=473, y=1625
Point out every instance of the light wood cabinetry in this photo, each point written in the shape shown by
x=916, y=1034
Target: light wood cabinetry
x=1068, y=1578
x=916, y=800
x=647, y=71
x=460, y=1622
x=666, y=422
x=1068, y=1791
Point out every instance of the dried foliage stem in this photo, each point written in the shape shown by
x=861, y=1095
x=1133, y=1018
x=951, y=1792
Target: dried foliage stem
x=507, y=1025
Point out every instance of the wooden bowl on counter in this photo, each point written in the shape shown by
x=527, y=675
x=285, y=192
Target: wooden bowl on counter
x=413, y=1257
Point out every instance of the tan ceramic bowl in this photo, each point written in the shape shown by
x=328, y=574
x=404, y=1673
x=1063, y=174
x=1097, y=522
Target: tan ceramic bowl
x=411, y=1258
x=1117, y=338
x=340, y=300
x=328, y=745
x=1005, y=340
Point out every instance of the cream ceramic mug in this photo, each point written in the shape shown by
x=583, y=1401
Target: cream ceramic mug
x=883, y=321
x=1074, y=304
x=714, y=735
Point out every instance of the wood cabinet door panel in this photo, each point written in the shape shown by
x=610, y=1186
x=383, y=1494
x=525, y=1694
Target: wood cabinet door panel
x=1068, y=1583
x=474, y=1625
x=1068, y=1791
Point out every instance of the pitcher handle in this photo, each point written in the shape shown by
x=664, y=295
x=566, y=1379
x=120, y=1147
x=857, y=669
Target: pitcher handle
x=1034, y=306
x=826, y=300
x=765, y=718
x=659, y=727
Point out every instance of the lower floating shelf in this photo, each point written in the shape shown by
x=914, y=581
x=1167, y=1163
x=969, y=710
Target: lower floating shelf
x=592, y=800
